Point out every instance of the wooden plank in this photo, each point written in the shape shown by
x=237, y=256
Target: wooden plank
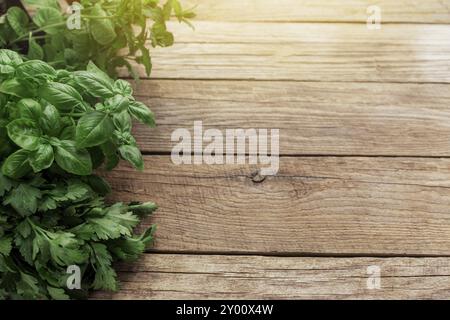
x=306, y=52
x=406, y=11
x=313, y=118
x=254, y=277
x=320, y=205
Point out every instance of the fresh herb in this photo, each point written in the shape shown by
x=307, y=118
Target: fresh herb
x=111, y=33
x=56, y=127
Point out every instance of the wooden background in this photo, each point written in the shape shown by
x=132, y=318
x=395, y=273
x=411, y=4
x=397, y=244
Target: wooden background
x=364, y=119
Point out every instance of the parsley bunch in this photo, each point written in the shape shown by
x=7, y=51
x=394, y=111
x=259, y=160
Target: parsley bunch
x=111, y=33
x=56, y=127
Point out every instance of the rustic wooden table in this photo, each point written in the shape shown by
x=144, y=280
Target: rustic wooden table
x=364, y=180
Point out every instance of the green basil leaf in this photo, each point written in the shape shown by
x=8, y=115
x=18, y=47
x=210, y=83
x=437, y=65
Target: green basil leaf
x=42, y=158
x=16, y=165
x=123, y=87
x=48, y=19
x=29, y=109
x=122, y=121
x=93, y=129
x=142, y=113
x=118, y=103
x=110, y=151
x=8, y=61
x=102, y=30
x=18, y=20
x=15, y=88
x=9, y=57
x=132, y=155
x=35, y=51
x=50, y=121
x=35, y=70
x=95, y=85
x=25, y=133
x=64, y=97
x=73, y=160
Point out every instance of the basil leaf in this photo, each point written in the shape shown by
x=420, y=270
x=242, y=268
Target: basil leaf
x=25, y=133
x=16, y=165
x=42, y=158
x=8, y=61
x=9, y=57
x=36, y=71
x=48, y=19
x=94, y=84
x=123, y=87
x=93, y=129
x=18, y=20
x=142, y=113
x=132, y=155
x=35, y=51
x=122, y=121
x=16, y=88
x=29, y=109
x=102, y=30
x=73, y=160
x=64, y=97
x=50, y=121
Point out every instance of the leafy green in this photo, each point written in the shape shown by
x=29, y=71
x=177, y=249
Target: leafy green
x=56, y=127
x=111, y=33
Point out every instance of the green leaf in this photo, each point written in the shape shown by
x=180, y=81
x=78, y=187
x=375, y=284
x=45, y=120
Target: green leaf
x=142, y=113
x=64, y=97
x=50, y=120
x=105, y=276
x=35, y=71
x=132, y=155
x=57, y=293
x=93, y=129
x=15, y=88
x=102, y=30
x=10, y=58
x=25, y=133
x=73, y=160
x=35, y=51
x=5, y=185
x=18, y=20
x=49, y=19
x=42, y=158
x=29, y=109
x=94, y=84
x=8, y=61
x=5, y=246
x=16, y=165
x=24, y=199
x=123, y=87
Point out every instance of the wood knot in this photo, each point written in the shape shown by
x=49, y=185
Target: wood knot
x=257, y=177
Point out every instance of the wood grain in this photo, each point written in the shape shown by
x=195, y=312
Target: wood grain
x=306, y=52
x=399, y=11
x=249, y=277
x=313, y=118
x=318, y=205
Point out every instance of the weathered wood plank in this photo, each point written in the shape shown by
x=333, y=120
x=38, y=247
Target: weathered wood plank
x=409, y=11
x=307, y=52
x=249, y=277
x=313, y=118
x=320, y=205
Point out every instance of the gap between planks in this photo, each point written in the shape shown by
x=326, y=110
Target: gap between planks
x=320, y=205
